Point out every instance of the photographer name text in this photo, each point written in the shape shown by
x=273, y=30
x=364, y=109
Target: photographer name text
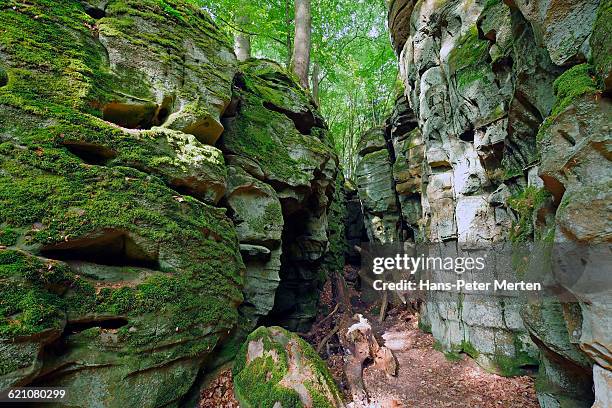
x=459, y=285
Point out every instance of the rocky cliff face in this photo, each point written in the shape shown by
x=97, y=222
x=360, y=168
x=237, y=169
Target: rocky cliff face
x=154, y=197
x=503, y=135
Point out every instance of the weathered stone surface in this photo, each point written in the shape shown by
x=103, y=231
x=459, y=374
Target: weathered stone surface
x=372, y=141
x=562, y=27
x=111, y=252
x=278, y=138
x=259, y=223
x=188, y=82
x=399, y=21
x=601, y=46
x=377, y=195
x=277, y=368
x=484, y=80
x=573, y=149
x=603, y=387
x=108, y=254
x=257, y=211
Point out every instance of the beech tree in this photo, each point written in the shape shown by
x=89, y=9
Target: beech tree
x=300, y=61
x=242, y=39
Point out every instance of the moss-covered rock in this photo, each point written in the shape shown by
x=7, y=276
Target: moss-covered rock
x=108, y=252
x=467, y=60
x=280, y=153
x=167, y=268
x=601, y=43
x=257, y=214
x=265, y=133
x=275, y=366
x=281, y=92
x=140, y=63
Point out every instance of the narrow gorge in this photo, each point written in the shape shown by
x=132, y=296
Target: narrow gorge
x=179, y=228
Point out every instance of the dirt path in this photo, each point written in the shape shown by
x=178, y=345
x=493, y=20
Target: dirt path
x=426, y=378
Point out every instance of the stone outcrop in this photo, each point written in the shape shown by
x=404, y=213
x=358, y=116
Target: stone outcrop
x=155, y=197
x=505, y=138
x=277, y=139
x=275, y=367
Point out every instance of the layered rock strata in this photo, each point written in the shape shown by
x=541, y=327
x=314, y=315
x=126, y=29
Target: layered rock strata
x=141, y=169
x=512, y=104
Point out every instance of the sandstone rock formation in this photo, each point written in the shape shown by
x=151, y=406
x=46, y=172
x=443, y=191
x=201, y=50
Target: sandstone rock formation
x=275, y=139
x=141, y=168
x=506, y=137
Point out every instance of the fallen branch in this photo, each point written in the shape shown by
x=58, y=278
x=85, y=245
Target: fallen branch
x=318, y=324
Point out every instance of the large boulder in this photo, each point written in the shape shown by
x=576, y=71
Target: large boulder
x=182, y=72
x=456, y=65
x=114, y=270
x=276, y=368
x=375, y=185
x=258, y=217
x=575, y=148
x=562, y=27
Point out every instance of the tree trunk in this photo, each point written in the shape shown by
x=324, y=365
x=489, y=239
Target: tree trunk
x=289, y=39
x=300, y=61
x=315, y=82
x=242, y=40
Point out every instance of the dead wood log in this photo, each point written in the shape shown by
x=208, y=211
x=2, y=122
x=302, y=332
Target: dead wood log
x=361, y=346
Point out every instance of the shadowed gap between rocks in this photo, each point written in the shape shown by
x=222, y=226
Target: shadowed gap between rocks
x=304, y=121
x=111, y=248
x=103, y=323
x=90, y=153
x=137, y=114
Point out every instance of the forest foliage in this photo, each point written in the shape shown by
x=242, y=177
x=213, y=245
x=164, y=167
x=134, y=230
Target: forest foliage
x=353, y=68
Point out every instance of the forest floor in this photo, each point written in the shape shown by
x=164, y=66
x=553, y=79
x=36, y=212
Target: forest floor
x=426, y=378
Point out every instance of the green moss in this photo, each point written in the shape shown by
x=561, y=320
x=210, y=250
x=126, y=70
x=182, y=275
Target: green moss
x=269, y=137
x=258, y=381
x=526, y=203
x=468, y=59
x=59, y=79
x=69, y=199
x=601, y=40
x=452, y=356
x=424, y=327
x=27, y=307
x=318, y=399
x=272, y=216
x=8, y=236
x=491, y=3
x=469, y=349
x=573, y=83
x=513, y=366
x=257, y=384
x=320, y=366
